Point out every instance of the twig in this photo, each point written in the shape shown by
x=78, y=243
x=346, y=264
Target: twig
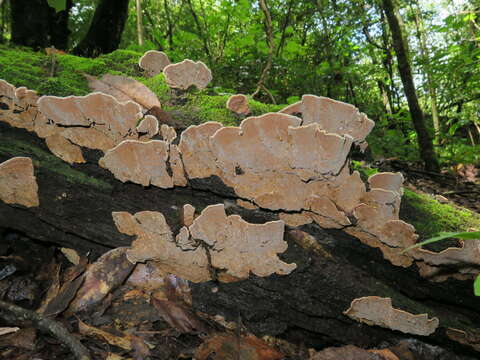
x=46, y=325
x=464, y=192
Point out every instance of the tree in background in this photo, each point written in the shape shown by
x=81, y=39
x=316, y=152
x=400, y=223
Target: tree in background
x=106, y=29
x=36, y=24
x=427, y=152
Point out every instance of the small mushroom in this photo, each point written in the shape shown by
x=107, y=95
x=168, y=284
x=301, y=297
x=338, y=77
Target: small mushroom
x=238, y=104
x=187, y=73
x=153, y=62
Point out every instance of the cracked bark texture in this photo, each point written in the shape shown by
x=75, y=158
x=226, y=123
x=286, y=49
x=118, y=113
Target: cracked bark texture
x=306, y=306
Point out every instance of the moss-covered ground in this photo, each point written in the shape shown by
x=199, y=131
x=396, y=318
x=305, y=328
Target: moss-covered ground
x=62, y=75
x=431, y=217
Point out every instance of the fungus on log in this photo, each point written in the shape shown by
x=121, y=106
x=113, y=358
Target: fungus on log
x=238, y=104
x=187, y=73
x=318, y=190
x=374, y=310
x=225, y=247
x=333, y=116
x=18, y=184
x=153, y=62
x=143, y=163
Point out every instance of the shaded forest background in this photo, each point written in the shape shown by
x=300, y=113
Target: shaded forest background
x=357, y=51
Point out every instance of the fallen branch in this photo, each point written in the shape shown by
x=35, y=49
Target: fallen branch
x=46, y=325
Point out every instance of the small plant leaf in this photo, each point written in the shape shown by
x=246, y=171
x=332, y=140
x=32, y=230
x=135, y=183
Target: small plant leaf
x=476, y=286
x=473, y=235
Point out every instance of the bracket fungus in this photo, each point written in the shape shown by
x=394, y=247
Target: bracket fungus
x=143, y=163
x=153, y=62
x=18, y=184
x=214, y=242
x=374, y=310
x=187, y=73
x=333, y=116
x=238, y=104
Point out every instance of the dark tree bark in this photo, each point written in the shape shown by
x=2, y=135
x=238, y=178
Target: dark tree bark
x=30, y=23
x=425, y=143
x=59, y=31
x=306, y=306
x=106, y=29
x=37, y=25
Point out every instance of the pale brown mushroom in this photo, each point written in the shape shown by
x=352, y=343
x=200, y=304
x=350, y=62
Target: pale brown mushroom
x=238, y=104
x=153, y=62
x=139, y=162
x=374, y=310
x=18, y=184
x=187, y=73
x=235, y=246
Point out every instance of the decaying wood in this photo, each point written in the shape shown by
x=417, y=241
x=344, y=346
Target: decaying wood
x=333, y=269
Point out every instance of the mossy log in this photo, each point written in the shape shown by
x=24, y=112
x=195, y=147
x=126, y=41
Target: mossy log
x=306, y=306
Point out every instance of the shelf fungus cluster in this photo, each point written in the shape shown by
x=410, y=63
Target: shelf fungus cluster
x=294, y=162
x=213, y=246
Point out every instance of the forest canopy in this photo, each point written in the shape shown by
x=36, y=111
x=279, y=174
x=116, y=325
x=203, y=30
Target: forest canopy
x=410, y=65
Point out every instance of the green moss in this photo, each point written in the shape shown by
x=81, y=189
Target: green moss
x=158, y=85
x=22, y=67
x=48, y=161
x=123, y=61
x=430, y=217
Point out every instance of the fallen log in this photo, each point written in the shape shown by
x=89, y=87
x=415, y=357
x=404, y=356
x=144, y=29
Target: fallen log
x=280, y=234
x=76, y=205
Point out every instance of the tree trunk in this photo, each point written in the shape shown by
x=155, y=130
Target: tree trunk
x=139, y=22
x=432, y=92
x=30, y=23
x=59, y=31
x=106, y=29
x=425, y=144
x=304, y=307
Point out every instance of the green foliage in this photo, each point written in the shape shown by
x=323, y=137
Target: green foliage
x=58, y=5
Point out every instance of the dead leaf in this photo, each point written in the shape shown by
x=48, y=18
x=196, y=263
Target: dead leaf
x=65, y=296
x=101, y=277
x=178, y=315
x=23, y=339
x=124, y=89
x=124, y=342
x=8, y=330
x=52, y=291
x=230, y=347
x=71, y=255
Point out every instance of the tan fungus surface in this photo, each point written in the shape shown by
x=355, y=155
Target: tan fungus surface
x=153, y=62
x=374, y=310
x=18, y=184
x=142, y=163
x=187, y=73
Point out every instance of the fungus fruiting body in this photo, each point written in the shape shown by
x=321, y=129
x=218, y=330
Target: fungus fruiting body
x=153, y=62
x=18, y=184
x=187, y=73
